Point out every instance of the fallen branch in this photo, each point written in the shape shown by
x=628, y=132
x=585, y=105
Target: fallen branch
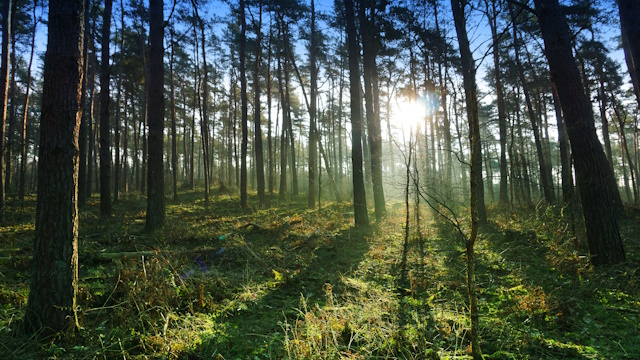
x=621, y=309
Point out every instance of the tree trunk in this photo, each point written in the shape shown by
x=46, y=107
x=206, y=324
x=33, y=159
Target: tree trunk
x=174, y=135
x=502, y=116
x=359, y=194
x=630, y=26
x=105, y=126
x=592, y=169
x=283, y=100
x=259, y=154
x=54, y=283
x=24, y=141
x=204, y=120
x=243, y=99
x=369, y=51
x=469, y=77
x=155, y=195
x=11, y=131
x=313, y=151
x=603, y=116
x=125, y=169
x=92, y=97
x=565, y=155
x=116, y=175
x=4, y=87
x=547, y=187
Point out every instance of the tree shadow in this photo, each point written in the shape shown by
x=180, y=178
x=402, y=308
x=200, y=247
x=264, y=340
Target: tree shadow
x=303, y=266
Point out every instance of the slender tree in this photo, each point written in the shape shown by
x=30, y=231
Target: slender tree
x=243, y=97
x=313, y=148
x=82, y=173
x=469, y=78
x=369, y=52
x=117, y=125
x=25, y=109
x=545, y=178
x=155, y=183
x=105, y=126
x=174, y=136
x=359, y=194
x=4, y=88
x=51, y=305
x=492, y=15
x=256, y=108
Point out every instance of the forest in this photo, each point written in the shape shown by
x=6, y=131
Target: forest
x=320, y=179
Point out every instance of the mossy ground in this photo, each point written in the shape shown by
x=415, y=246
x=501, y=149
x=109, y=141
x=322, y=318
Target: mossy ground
x=287, y=282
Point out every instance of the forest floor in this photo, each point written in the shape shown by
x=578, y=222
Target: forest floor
x=288, y=282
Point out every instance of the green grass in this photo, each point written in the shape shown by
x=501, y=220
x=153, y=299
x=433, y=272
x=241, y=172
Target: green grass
x=288, y=282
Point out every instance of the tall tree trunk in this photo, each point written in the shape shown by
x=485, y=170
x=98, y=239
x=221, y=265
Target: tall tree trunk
x=82, y=173
x=502, y=116
x=283, y=101
x=174, y=135
x=51, y=306
x=593, y=173
x=289, y=129
x=259, y=154
x=155, y=195
x=144, y=112
x=369, y=51
x=125, y=175
x=313, y=150
x=269, y=139
x=359, y=194
x=4, y=88
x=204, y=121
x=105, y=126
x=11, y=131
x=117, y=126
x=547, y=187
x=469, y=78
x=243, y=98
x=92, y=102
x=24, y=141
x=630, y=26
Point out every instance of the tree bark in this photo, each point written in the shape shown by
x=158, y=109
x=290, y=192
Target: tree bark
x=82, y=174
x=11, y=131
x=243, y=99
x=502, y=116
x=4, y=88
x=469, y=78
x=547, y=187
x=105, y=126
x=258, y=151
x=313, y=148
x=155, y=194
x=117, y=125
x=565, y=155
x=51, y=306
x=369, y=51
x=359, y=194
x=174, y=135
x=24, y=141
x=630, y=27
x=204, y=121
x=592, y=169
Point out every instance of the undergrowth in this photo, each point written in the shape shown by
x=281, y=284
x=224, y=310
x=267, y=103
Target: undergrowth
x=288, y=282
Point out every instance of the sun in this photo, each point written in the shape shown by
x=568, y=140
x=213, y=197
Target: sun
x=409, y=113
